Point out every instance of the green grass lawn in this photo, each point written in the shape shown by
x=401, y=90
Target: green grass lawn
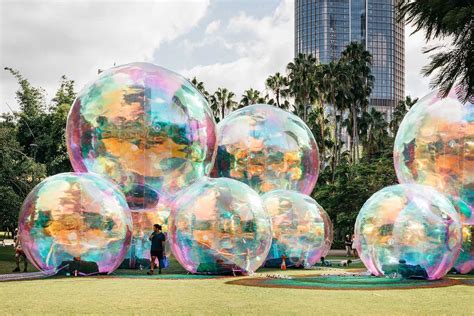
x=118, y=294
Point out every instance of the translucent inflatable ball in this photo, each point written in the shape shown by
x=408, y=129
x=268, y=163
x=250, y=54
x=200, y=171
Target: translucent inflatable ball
x=302, y=230
x=435, y=146
x=408, y=231
x=138, y=255
x=465, y=262
x=77, y=222
x=145, y=127
x=219, y=226
x=268, y=149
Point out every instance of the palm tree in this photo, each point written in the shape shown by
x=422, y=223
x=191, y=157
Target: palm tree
x=374, y=132
x=200, y=86
x=448, y=20
x=300, y=81
x=399, y=113
x=250, y=96
x=224, y=101
x=359, y=63
x=335, y=83
x=278, y=84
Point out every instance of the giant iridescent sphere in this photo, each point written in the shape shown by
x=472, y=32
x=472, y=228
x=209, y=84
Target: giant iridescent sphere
x=75, y=219
x=408, y=230
x=302, y=230
x=268, y=149
x=147, y=128
x=143, y=221
x=435, y=146
x=465, y=262
x=219, y=226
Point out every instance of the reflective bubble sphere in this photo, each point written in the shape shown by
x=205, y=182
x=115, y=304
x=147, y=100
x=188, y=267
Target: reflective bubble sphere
x=219, y=226
x=409, y=231
x=435, y=146
x=465, y=262
x=302, y=230
x=78, y=220
x=146, y=128
x=143, y=221
x=268, y=149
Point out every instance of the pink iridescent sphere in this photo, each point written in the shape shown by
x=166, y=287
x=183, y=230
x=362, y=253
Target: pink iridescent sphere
x=302, y=230
x=74, y=219
x=268, y=149
x=144, y=127
x=408, y=230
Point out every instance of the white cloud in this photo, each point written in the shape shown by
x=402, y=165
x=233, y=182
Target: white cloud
x=264, y=46
x=213, y=27
x=46, y=39
x=416, y=85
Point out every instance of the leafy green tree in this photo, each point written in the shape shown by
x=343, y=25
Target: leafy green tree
x=56, y=156
x=354, y=184
x=450, y=20
x=41, y=128
x=19, y=173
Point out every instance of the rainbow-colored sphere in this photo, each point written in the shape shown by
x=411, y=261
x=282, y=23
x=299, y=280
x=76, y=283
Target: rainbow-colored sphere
x=408, y=230
x=435, y=146
x=268, y=149
x=465, y=262
x=302, y=230
x=146, y=128
x=75, y=219
x=143, y=220
x=219, y=226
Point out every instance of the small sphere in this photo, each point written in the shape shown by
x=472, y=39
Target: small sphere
x=143, y=221
x=146, y=128
x=219, y=226
x=268, y=149
x=435, y=146
x=302, y=230
x=408, y=230
x=74, y=218
x=465, y=262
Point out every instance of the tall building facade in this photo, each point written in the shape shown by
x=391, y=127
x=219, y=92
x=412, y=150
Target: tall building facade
x=325, y=27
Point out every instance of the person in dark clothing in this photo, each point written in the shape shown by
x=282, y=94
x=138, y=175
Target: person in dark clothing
x=157, y=248
x=348, y=244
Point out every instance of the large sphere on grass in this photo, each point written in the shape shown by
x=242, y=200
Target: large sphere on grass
x=75, y=219
x=408, y=230
x=435, y=146
x=143, y=221
x=219, y=226
x=268, y=149
x=302, y=230
x=146, y=128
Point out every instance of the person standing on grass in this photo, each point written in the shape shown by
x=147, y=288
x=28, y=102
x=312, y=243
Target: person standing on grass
x=348, y=244
x=354, y=250
x=157, y=248
x=19, y=254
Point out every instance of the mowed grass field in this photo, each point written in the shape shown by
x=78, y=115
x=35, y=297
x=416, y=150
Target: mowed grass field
x=132, y=295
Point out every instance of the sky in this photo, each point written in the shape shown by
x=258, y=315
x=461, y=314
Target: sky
x=235, y=44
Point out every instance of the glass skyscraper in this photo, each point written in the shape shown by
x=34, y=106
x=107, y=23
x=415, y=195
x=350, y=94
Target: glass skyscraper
x=325, y=27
